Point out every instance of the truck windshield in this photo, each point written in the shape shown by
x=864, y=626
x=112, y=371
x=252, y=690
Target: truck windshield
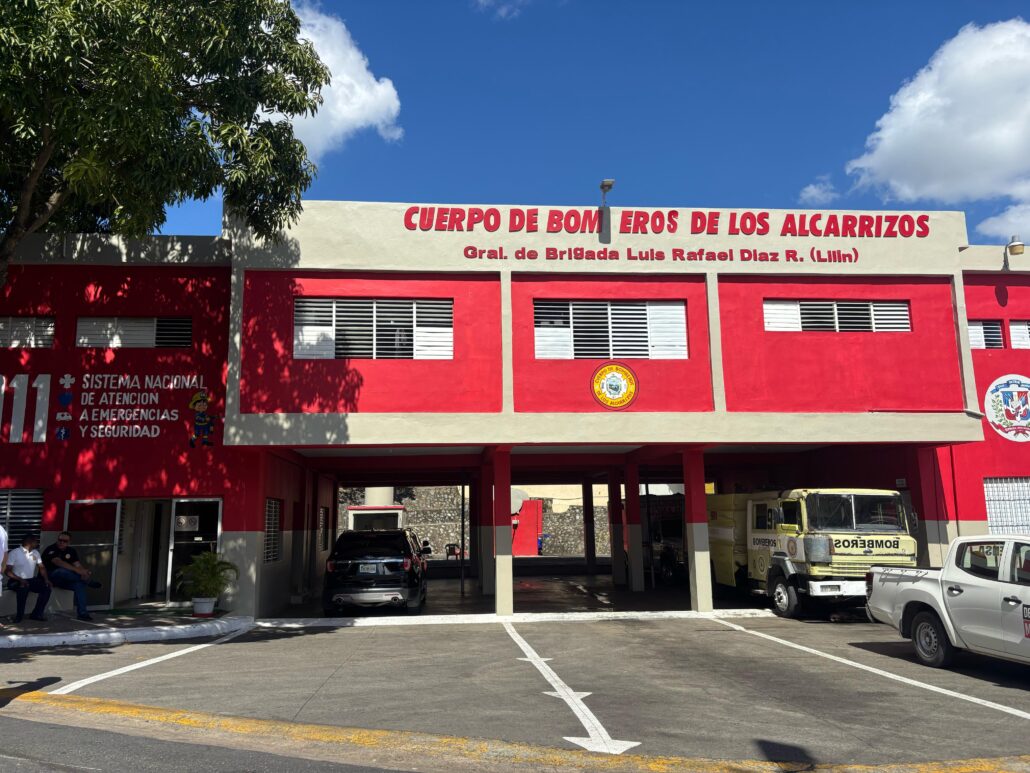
x=855, y=512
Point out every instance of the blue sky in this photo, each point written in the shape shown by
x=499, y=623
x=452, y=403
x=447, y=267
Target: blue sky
x=735, y=104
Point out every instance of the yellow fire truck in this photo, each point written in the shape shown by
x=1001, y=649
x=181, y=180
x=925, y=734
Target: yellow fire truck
x=807, y=544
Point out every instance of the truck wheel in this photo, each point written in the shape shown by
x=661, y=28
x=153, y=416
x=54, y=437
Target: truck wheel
x=930, y=640
x=785, y=602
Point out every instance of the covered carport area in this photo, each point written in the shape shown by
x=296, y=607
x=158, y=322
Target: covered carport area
x=491, y=472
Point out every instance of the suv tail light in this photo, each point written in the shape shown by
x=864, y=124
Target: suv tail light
x=330, y=565
x=407, y=564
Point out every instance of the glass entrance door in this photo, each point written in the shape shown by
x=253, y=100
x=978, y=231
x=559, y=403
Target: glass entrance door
x=196, y=527
x=93, y=525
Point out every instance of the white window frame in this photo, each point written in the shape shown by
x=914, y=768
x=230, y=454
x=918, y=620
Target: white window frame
x=430, y=339
x=131, y=332
x=27, y=332
x=662, y=335
x=1019, y=333
x=782, y=315
x=982, y=337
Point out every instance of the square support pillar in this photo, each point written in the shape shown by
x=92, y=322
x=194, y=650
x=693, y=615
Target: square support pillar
x=634, y=543
x=695, y=530
x=936, y=529
x=504, y=599
x=485, y=530
x=589, y=534
x=615, y=526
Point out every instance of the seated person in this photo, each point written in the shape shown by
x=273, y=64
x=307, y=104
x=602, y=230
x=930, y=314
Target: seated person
x=67, y=572
x=26, y=574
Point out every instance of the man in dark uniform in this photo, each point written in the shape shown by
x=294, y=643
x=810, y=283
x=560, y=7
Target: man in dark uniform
x=67, y=572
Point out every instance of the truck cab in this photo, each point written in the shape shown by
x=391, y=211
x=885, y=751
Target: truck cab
x=803, y=545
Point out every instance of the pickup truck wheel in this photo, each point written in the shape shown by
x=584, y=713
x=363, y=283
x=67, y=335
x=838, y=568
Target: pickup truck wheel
x=785, y=602
x=930, y=641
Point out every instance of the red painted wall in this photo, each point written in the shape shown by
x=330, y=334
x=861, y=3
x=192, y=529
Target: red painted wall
x=273, y=382
x=565, y=385
x=84, y=467
x=1003, y=297
x=840, y=372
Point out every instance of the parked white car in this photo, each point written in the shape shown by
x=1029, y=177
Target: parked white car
x=979, y=601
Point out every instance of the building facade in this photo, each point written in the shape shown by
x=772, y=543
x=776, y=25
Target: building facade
x=185, y=394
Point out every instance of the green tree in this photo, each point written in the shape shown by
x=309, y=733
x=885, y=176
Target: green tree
x=112, y=110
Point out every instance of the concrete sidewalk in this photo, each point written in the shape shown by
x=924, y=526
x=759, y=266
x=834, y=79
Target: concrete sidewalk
x=117, y=627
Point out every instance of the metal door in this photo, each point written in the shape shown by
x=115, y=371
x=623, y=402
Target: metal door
x=94, y=528
x=195, y=527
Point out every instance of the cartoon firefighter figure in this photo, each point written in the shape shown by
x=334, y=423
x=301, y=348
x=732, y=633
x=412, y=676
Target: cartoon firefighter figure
x=202, y=420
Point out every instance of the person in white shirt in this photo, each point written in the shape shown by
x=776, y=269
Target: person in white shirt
x=26, y=574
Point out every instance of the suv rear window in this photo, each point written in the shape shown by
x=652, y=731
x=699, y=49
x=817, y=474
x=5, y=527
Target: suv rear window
x=361, y=545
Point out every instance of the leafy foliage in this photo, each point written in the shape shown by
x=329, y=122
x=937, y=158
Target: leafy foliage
x=112, y=110
x=207, y=576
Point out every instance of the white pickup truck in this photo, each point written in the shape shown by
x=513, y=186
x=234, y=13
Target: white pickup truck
x=979, y=601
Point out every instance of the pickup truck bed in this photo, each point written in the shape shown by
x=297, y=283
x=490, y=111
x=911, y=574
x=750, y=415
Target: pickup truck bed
x=979, y=600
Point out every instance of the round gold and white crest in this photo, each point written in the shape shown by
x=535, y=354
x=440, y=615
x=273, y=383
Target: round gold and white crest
x=614, y=385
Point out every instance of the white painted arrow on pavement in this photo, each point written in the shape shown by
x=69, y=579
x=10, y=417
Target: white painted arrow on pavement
x=599, y=740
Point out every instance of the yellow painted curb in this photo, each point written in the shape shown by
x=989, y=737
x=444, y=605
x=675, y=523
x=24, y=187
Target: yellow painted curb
x=485, y=752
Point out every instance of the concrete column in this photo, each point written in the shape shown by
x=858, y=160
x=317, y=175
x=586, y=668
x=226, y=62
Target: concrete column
x=634, y=541
x=485, y=530
x=504, y=599
x=589, y=536
x=695, y=530
x=936, y=529
x=616, y=528
x=472, y=535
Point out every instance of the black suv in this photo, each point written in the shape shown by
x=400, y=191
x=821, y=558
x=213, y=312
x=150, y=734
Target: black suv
x=375, y=569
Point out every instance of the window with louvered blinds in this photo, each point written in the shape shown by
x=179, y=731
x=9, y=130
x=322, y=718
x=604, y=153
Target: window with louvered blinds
x=985, y=334
x=134, y=332
x=373, y=329
x=837, y=316
x=604, y=330
x=1019, y=334
x=21, y=513
x=26, y=332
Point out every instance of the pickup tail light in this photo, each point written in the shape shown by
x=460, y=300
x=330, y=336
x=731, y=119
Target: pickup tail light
x=868, y=584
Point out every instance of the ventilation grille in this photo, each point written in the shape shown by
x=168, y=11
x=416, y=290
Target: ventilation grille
x=26, y=332
x=837, y=316
x=134, y=332
x=373, y=329
x=604, y=330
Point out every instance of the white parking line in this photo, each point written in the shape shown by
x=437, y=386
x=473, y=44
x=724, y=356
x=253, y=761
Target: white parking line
x=599, y=740
x=69, y=688
x=879, y=672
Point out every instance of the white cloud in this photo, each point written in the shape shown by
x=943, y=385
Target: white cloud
x=503, y=9
x=1013, y=221
x=818, y=193
x=355, y=99
x=959, y=131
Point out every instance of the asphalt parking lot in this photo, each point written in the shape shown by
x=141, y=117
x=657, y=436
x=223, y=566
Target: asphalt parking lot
x=689, y=688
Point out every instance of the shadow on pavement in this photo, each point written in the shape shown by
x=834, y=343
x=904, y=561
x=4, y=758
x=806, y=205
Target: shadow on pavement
x=1003, y=673
x=8, y=694
x=796, y=758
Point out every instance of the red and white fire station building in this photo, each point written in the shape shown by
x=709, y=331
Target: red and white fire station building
x=183, y=394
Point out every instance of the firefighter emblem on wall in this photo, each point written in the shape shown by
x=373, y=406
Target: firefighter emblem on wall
x=1007, y=407
x=614, y=386
x=202, y=420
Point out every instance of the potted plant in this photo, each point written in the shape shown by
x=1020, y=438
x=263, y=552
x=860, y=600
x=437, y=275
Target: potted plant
x=206, y=578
